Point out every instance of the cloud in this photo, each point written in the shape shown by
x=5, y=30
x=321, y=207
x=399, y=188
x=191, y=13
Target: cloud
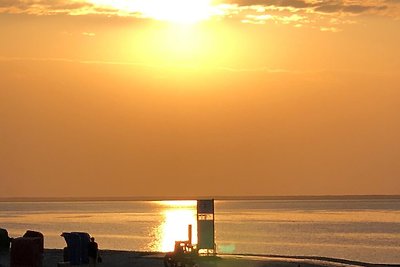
x=329, y=29
x=329, y=8
x=341, y=7
x=70, y=6
x=8, y=3
x=89, y=34
x=326, y=15
x=277, y=3
x=320, y=6
x=43, y=7
x=297, y=13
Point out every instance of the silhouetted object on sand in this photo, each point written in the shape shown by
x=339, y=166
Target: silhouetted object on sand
x=93, y=250
x=76, y=251
x=27, y=250
x=72, y=251
x=205, y=227
x=5, y=240
x=184, y=254
x=85, y=239
x=35, y=234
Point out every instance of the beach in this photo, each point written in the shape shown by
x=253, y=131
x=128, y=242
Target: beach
x=114, y=258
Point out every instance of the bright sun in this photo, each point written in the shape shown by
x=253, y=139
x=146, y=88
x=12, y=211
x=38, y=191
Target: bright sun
x=178, y=11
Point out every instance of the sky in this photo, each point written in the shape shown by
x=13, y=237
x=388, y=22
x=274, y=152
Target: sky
x=187, y=98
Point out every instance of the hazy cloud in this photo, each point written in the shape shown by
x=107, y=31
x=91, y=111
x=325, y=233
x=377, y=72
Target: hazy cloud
x=309, y=6
x=329, y=29
x=297, y=13
x=89, y=34
x=320, y=6
x=43, y=7
x=278, y=3
x=341, y=7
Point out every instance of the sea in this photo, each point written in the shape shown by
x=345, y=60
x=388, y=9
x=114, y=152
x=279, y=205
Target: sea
x=363, y=229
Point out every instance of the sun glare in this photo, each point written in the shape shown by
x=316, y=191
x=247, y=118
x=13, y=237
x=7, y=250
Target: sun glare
x=178, y=203
x=177, y=215
x=177, y=11
x=175, y=227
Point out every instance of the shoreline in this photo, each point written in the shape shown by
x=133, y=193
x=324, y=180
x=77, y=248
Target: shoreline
x=321, y=259
x=121, y=258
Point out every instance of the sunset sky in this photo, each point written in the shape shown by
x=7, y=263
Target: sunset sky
x=199, y=97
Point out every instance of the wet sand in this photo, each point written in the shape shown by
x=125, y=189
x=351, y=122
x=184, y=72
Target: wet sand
x=112, y=258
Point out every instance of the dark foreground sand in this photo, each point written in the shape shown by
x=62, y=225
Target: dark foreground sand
x=150, y=259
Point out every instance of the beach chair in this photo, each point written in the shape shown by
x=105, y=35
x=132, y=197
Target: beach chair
x=76, y=251
x=5, y=240
x=35, y=234
x=72, y=252
x=26, y=251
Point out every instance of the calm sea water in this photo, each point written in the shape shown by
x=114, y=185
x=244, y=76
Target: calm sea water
x=356, y=229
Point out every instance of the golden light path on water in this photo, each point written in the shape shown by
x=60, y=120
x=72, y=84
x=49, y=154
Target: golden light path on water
x=177, y=215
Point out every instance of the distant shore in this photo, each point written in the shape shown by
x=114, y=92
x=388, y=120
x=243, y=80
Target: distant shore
x=157, y=198
x=114, y=258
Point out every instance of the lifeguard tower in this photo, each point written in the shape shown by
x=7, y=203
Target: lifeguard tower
x=205, y=227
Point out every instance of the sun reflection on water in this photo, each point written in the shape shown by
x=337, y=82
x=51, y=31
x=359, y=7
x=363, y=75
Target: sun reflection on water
x=177, y=215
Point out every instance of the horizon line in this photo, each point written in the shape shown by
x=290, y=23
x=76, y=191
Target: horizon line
x=168, y=198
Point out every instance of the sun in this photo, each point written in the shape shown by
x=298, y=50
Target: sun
x=180, y=11
x=176, y=11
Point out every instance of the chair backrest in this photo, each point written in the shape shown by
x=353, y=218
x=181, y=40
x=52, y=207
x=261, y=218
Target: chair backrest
x=36, y=234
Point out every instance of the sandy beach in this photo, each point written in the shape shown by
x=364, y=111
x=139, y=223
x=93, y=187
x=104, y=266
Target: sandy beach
x=112, y=258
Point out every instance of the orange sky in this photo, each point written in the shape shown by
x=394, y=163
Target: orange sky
x=136, y=98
